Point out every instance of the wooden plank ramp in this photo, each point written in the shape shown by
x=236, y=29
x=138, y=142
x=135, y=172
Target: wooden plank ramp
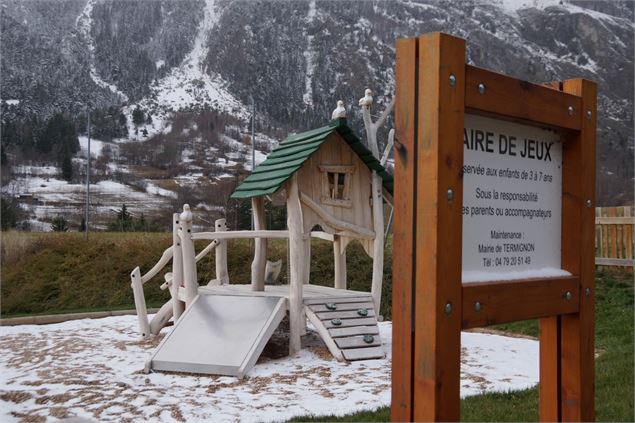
x=348, y=327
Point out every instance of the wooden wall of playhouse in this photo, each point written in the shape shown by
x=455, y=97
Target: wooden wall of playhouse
x=355, y=209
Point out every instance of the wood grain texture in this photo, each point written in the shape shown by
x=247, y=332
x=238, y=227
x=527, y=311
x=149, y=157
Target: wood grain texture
x=578, y=330
x=549, y=387
x=503, y=302
x=333, y=154
x=513, y=98
x=220, y=262
x=297, y=257
x=178, y=307
x=363, y=353
x=355, y=330
x=405, y=154
x=259, y=262
x=356, y=341
x=438, y=251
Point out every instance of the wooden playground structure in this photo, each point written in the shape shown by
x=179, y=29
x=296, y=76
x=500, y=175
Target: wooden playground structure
x=330, y=179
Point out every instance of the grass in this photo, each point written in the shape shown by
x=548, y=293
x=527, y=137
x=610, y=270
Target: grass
x=50, y=273
x=613, y=369
x=61, y=273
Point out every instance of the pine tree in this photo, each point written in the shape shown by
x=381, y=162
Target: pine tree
x=138, y=116
x=67, y=167
x=59, y=224
x=82, y=225
x=9, y=212
x=123, y=222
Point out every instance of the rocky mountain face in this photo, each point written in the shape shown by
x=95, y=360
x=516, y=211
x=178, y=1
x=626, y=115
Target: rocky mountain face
x=175, y=58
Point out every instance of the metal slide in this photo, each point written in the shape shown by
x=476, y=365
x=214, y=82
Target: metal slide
x=220, y=335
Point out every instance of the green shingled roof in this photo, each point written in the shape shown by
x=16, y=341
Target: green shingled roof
x=291, y=154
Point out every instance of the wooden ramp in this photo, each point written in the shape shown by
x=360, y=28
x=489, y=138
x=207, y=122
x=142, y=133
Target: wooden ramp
x=347, y=325
x=220, y=335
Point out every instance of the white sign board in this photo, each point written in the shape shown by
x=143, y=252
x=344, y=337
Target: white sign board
x=512, y=201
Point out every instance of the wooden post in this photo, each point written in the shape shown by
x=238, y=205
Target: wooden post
x=260, y=246
x=578, y=201
x=378, y=242
x=439, y=104
x=140, y=302
x=297, y=248
x=339, y=262
x=567, y=363
x=177, y=269
x=404, y=228
x=306, y=263
x=222, y=274
x=437, y=361
x=189, y=256
x=161, y=318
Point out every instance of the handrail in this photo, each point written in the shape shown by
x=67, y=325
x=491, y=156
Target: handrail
x=207, y=249
x=358, y=231
x=240, y=235
x=165, y=258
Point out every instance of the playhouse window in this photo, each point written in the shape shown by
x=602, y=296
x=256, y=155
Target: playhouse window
x=336, y=185
x=336, y=181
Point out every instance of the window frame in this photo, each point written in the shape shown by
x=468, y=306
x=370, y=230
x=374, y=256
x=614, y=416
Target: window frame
x=336, y=170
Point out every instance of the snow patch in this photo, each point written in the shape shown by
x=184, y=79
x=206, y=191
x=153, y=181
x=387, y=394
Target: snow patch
x=106, y=356
x=96, y=146
x=155, y=190
x=84, y=23
x=309, y=57
x=188, y=85
x=34, y=170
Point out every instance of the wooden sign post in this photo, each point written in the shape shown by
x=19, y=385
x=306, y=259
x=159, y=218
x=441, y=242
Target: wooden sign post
x=494, y=222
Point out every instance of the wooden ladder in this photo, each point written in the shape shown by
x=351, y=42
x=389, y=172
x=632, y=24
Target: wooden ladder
x=347, y=325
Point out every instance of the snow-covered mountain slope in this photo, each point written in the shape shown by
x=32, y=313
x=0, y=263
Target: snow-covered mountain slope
x=295, y=59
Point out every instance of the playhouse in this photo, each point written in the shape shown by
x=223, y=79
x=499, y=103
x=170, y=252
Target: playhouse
x=330, y=179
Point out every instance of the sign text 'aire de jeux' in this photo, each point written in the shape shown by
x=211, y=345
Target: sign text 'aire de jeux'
x=511, y=200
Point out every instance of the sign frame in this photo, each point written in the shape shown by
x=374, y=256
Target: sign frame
x=434, y=90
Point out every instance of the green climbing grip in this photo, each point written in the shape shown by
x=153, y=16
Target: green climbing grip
x=362, y=312
x=369, y=339
x=331, y=306
x=336, y=322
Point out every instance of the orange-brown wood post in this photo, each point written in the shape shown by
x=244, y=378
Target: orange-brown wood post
x=404, y=256
x=439, y=198
x=550, y=386
x=567, y=366
x=578, y=330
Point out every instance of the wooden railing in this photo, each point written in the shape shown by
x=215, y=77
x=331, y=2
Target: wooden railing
x=614, y=236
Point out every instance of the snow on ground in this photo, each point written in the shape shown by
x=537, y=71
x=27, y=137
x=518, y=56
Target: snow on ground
x=53, y=197
x=93, y=369
x=84, y=24
x=96, y=146
x=309, y=57
x=51, y=189
x=155, y=190
x=35, y=170
x=188, y=85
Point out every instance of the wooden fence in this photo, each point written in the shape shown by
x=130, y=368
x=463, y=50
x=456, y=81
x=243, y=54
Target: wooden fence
x=614, y=236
